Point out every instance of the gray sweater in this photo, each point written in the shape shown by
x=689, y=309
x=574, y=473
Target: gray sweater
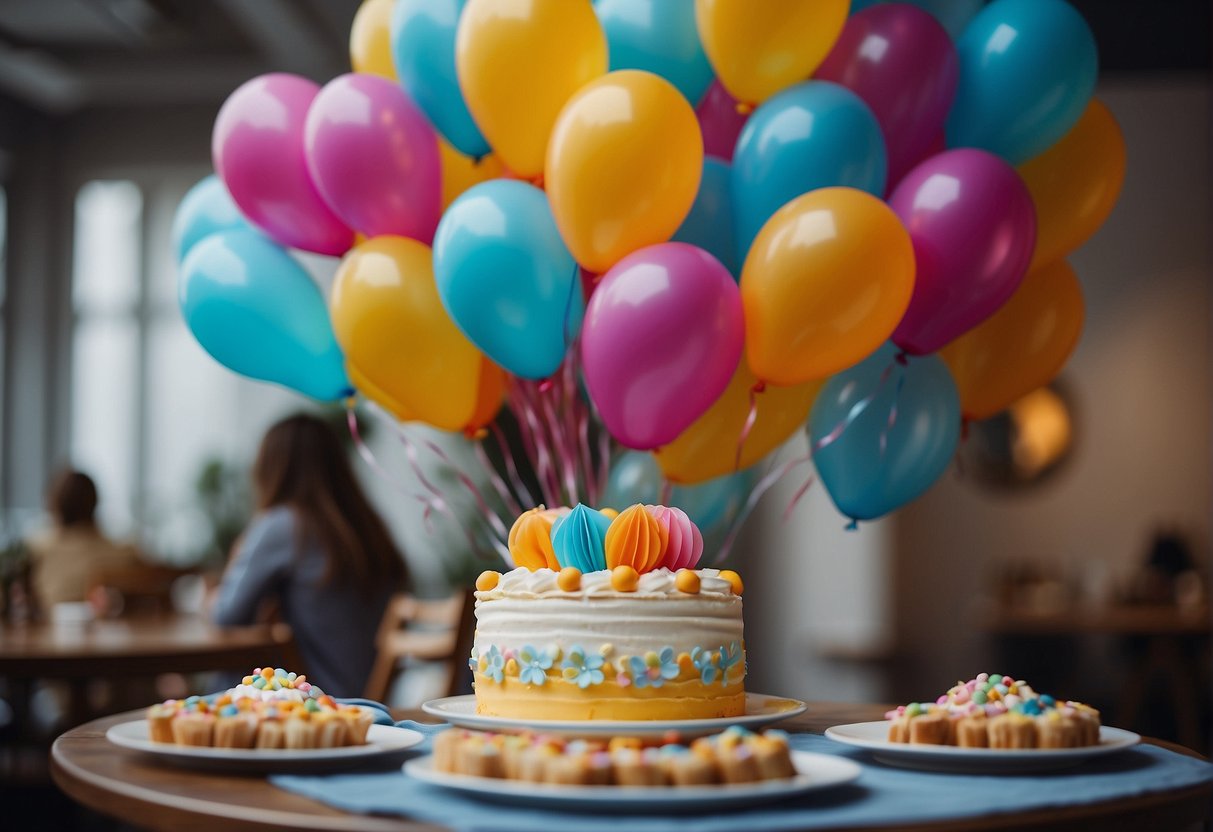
x=334, y=626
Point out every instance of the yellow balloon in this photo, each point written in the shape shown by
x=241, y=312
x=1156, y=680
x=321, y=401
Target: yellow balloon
x=370, y=39
x=826, y=282
x=1075, y=183
x=758, y=47
x=401, y=348
x=490, y=393
x=461, y=172
x=518, y=62
x=708, y=448
x=623, y=166
x=1020, y=347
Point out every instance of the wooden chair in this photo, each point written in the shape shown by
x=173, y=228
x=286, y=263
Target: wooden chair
x=415, y=629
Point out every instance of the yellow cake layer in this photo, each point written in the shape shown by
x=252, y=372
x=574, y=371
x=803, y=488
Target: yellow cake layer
x=565, y=701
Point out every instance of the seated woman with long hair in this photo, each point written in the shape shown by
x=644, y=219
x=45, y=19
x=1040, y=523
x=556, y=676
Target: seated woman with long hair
x=318, y=549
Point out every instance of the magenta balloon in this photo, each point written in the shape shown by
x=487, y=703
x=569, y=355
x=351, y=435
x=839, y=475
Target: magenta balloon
x=257, y=148
x=374, y=157
x=901, y=62
x=973, y=227
x=662, y=336
x=719, y=121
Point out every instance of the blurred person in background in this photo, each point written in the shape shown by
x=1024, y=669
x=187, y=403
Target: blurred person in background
x=316, y=552
x=73, y=557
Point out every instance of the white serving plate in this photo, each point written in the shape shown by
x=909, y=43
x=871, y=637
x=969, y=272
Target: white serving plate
x=759, y=710
x=873, y=736
x=814, y=772
x=382, y=742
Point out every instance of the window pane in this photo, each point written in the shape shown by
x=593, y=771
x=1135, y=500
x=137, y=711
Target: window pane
x=105, y=267
x=104, y=378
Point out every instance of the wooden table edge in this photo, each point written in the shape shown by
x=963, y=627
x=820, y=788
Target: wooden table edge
x=1187, y=805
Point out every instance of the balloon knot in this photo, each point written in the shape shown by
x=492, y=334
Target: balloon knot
x=853, y=525
x=545, y=385
x=475, y=433
x=537, y=181
x=902, y=358
x=744, y=108
x=964, y=428
x=477, y=159
x=350, y=401
x=759, y=387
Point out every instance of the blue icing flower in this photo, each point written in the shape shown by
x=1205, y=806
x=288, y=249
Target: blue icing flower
x=584, y=670
x=578, y=539
x=729, y=659
x=652, y=670
x=702, y=659
x=494, y=666
x=534, y=664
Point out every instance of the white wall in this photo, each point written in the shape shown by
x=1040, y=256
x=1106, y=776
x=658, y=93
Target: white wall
x=1141, y=383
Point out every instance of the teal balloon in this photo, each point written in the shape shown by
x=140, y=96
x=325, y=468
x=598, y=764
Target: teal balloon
x=871, y=468
x=423, y=51
x=579, y=539
x=812, y=135
x=1027, y=71
x=709, y=224
x=506, y=278
x=206, y=208
x=953, y=15
x=258, y=313
x=659, y=36
x=635, y=477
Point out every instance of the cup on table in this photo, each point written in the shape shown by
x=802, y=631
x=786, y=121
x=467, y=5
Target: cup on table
x=69, y=615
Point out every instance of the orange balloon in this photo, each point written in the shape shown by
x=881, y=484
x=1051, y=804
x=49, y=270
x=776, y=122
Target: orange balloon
x=1022, y=346
x=758, y=47
x=461, y=172
x=708, y=448
x=370, y=39
x=1075, y=183
x=401, y=348
x=623, y=166
x=826, y=282
x=518, y=62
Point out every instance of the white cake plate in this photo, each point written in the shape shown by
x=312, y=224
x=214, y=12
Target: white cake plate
x=759, y=710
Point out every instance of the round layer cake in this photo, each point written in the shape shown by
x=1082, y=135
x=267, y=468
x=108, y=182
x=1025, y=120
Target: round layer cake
x=611, y=644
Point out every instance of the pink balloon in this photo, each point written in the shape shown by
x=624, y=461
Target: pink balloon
x=902, y=63
x=662, y=336
x=257, y=148
x=374, y=157
x=973, y=226
x=719, y=121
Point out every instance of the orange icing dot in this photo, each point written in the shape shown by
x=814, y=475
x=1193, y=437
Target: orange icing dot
x=624, y=578
x=530, y=540
x=686, y=580
x=634, y=539
x=569, y=579
x=734, y=579
x=487, y=580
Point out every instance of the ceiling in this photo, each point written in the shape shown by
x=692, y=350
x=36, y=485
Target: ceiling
x=60, y=56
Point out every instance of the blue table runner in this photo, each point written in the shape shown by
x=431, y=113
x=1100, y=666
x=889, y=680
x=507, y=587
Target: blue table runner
x=883, y=795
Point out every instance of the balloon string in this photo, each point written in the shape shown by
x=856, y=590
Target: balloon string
x=800, y=492
x=439, y=502
x=474, y=490
x=351, y=419
x=503, y=490
x=750, y=419
x=854, y=413
x=537, y=446
x=511, y=466
x=892, y=420
x=667, y=491
x=760, y=489
x=561, y=442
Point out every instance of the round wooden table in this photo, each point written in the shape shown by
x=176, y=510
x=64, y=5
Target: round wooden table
x=139, y=790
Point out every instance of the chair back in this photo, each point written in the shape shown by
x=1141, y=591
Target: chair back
x=415, y=629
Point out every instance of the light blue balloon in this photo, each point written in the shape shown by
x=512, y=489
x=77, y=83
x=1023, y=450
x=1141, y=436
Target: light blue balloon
x=709, y=224
x=1027, y=71
x=257, y=312
x=206, y=208
x=423, y=52
x=812, y=135
x=659, y=36
x=954, y=15
x=635, y=477
x=871, y=468
x=506, y=278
